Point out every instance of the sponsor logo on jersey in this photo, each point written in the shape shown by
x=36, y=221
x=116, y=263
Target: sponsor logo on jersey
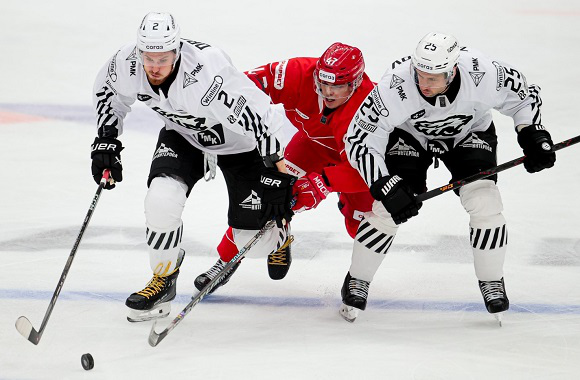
x=197, y=44
x=402, y=149
x=280, y=74
x=439, y=147
x=475, y=142
x=475, y=64
x=379, y=104
x=364, y=125
x=326, y=76
x=500, y=75
x=401, y=93
x=110, y=86
x=237, y=109
x=212, y=91
x=133, y=55
x=448, y=127
x=396, y=80
x=143, y=97
x=113, y=68
x=476, y=76
x=189, y=78
x=212, y=137
x=132, y=68
x=400, y=61
x=252, y=202
x=418, y=115
x=164, y=151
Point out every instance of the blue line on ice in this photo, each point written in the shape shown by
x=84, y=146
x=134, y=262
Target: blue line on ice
x=535, y=308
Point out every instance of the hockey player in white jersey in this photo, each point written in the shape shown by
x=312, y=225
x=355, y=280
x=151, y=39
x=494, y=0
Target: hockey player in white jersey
x=207, y=106
x=436, y=105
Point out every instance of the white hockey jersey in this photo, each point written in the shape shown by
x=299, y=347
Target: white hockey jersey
x=210, y=103
x=396, y=102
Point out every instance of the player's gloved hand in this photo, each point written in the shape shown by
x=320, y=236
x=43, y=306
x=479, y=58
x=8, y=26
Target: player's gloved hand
x=106, y=154
x=397, y=198
x=538, y=148
x=309, y=191
x=277, y=196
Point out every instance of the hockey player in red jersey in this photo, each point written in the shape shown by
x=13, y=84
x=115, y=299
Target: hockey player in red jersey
x=320, y=96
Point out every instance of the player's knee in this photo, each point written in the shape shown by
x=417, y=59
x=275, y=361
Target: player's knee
x=164, y=203
x=481, y=199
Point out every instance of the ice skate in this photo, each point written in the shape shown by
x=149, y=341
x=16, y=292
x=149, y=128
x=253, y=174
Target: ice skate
x=203, y=279
x=280, y=260
x=354, y=297
x=154, y=301
x=495, y=298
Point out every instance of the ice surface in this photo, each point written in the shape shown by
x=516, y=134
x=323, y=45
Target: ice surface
x=425, y=318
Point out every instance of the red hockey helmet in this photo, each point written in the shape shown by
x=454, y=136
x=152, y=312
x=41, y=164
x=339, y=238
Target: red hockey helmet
x=340, y=64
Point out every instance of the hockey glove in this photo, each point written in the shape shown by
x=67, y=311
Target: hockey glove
x=277, y=197
x=106, y=154
x=538, y=148
x=309, y=191
x=397, y=198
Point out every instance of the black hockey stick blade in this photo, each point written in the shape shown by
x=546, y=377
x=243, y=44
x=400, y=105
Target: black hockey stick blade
x=23, y=325
x=25, y=329
x=155, y=337
x=487, y=173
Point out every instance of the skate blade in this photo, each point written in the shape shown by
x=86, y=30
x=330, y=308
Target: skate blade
x=349, y=313
x=160, y=311
x=498, y=318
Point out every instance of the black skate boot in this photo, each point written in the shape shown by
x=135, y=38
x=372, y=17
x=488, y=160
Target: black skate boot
x=155, y=300
x=203, y=279
x=279, y=261
x=494, y=296
x=354, y=297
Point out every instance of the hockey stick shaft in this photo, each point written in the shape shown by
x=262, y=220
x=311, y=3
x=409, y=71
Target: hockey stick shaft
x=489, y=172
x=155, y=338
x=23, y=324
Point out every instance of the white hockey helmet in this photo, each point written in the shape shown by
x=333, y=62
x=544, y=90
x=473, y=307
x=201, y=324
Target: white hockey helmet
x=436, y=53
x=158, y=33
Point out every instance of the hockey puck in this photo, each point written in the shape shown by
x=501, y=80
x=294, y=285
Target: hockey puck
x=87, y=361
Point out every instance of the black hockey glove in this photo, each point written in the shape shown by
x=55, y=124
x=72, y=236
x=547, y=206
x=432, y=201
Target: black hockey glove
x=277, y=196
x=538, y=148
x=106, y=154
x=397, y=198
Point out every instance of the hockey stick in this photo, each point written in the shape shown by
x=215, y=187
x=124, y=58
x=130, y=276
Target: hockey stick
x=23, y=325
x=155, y=338
x=489, y=172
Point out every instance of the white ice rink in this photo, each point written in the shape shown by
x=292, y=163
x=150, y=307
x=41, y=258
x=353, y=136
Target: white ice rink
x=425, y=319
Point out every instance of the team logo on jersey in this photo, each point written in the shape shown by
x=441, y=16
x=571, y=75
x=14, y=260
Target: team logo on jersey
x=212, y=91
x=396, y=80
x=475, y=142
x=113, y=68
x=252, y=202
x=418, y=115
x=476, y=76
x=448, y=127
x=280, y=74
x=164, y=151
x=189, y=79
x=439, y=147
x=133, y=55
x=185, y=121
x=212, y=137
x=402, y=149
